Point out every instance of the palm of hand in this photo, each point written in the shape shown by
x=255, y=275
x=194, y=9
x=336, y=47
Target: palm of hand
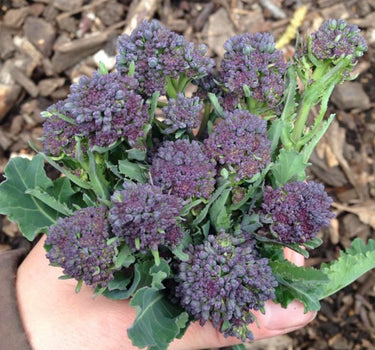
x=56, y=317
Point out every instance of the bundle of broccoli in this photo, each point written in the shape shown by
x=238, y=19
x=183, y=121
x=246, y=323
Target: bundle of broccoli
x=183, y=183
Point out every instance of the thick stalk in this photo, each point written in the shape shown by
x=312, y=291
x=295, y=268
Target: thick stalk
x=97, y=179
x=312, y=94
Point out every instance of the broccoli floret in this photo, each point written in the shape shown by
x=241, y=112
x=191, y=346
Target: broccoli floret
x=297, y=210
x=183, y=168
x=253, y=60
x=145, y=217
x=58, y=134
x=222, y=281
x=336, y=38
x=159, y=53
x=182, y=113
x=106, y=109
x=240, y=144
x=79, y=244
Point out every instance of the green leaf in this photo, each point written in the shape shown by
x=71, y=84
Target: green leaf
x=185, y=211
x=203, y=213
x=159, y=273
x=180, y=254
x=157, y=322
x=153, y=102
x=49, y=200
x=313, y=243
x=296, y=282
x=97, y=178
x=101, y=150
x=132, y=171
x=125, y=257
x=352, y=263
x=218, y=211
x=66, y=172
x=141, y=278
x=215, y=102
x=316, y=135
x=247, y=91
x=102, y=70
x=57, y=197
x=120, y=282
x=131, y=69
x=290, y=166
x=32, y=215
x=136, y=154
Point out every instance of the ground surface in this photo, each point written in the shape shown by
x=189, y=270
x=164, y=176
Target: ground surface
x=46, y=44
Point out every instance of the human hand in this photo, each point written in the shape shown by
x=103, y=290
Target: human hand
x=55, y=317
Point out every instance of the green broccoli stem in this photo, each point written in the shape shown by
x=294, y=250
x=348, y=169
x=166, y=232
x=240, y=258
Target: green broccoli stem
x=314, y=92
x=97, y=178
x=285, y=121
x=239, y=347
x=204, y=122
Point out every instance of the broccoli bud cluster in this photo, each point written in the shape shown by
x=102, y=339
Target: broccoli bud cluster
x=145, y=217
x=157, y=53
x=106, y=109
x=79, y=244
x=253, y=60
x=222, y=281
x=337, y=38
x=297, y=210
x=58, y=134
x=183, y=168
x=182, y=113
x=240, y=144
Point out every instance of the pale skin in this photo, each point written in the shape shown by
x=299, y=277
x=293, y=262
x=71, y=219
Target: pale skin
x=55, y=317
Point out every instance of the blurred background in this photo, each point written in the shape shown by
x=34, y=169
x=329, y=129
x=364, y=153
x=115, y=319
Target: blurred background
x=45, y=45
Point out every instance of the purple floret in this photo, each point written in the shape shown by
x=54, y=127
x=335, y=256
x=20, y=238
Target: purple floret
x=145, y=217
x=106, y=109
x=298, y=210
x=182, y=113
x=183, y=169
x=253, y=60
x=157, y=53
x=222, y=281
x=240, y=144
x=58, y=134
x=336, y=38
x=79, y=245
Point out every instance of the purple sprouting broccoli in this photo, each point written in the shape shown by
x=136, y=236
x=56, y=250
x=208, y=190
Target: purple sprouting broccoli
x=145, y=217
x=240, y=144
x=297, y=211
x=183, y=169
x=211, y=84
x=158, y=53
x=253, y=60
x=106, y=109
x=59, y=134
x=336, y=38
x=79, y=244
x=182, y=113
x=222, y=281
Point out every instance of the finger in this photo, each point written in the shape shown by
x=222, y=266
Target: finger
x=294, y=257
x=276, y=321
